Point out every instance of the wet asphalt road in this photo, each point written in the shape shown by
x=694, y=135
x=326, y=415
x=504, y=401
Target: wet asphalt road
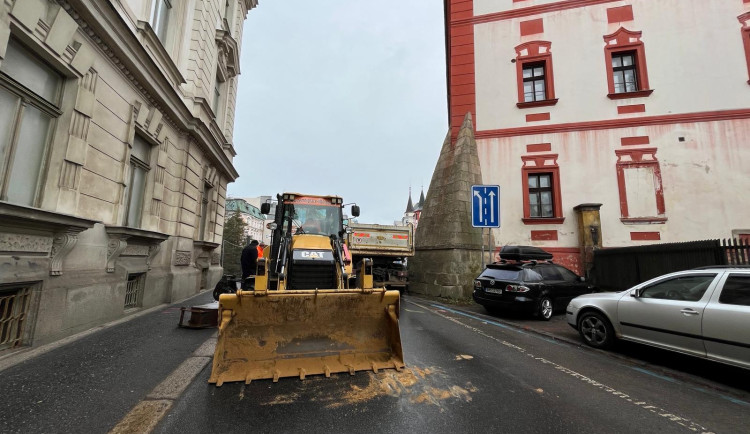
x=471, y=372
x=467, y=371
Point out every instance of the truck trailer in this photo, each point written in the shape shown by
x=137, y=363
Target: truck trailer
x=388, y=246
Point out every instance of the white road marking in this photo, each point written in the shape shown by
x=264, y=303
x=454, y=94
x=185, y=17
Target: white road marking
x=144, y=417
x=684, y=422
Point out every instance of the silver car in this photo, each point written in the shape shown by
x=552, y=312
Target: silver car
x=703, y=312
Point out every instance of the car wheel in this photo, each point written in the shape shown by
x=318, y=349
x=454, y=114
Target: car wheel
x=596, y=330
x=544, y=308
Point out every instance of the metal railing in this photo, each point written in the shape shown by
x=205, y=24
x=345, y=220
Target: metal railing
x=14, y=308
x=737, y=251
x=134, y=290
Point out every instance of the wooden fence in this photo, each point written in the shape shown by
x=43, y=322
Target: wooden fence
x=620, y=268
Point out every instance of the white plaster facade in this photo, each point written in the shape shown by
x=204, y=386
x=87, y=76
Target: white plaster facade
x=132, y=173
x=689, y=127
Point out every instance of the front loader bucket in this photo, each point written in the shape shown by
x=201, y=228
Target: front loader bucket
x=299, y=333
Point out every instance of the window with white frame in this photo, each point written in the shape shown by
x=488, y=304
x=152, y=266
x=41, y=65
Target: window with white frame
x=140, y=157
x=160, y=20
x=30, y=92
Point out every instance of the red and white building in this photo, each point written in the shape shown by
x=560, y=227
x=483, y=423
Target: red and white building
x=642, y=106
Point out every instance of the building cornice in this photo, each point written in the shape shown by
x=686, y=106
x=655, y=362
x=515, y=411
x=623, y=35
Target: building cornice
x=158, y=50
x=111, y=34
x=712, y=116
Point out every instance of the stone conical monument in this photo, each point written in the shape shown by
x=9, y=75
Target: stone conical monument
x=448, y=249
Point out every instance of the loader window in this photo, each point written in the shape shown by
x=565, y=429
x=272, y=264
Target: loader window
x=316, y=219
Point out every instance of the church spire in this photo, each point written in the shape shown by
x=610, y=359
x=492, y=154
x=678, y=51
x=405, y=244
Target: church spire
x=409, y=206
x=420, y=204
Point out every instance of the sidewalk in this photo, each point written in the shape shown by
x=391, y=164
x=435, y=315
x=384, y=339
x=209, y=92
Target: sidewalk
x=91, y=383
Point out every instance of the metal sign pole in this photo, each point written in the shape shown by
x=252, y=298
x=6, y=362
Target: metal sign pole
x=483, y=264
x=489, y=247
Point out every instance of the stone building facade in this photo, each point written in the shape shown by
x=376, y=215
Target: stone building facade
x=115, y=153
x=250, y=214
x=633, y=111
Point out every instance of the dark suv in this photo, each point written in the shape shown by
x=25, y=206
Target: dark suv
x=538, y=287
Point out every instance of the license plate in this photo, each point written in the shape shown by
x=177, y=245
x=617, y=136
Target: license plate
x=494, y=290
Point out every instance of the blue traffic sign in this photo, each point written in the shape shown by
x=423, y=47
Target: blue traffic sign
x=485, y=206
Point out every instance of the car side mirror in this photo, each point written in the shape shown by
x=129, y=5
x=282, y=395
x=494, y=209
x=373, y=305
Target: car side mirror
x=634, y=293
x=581, y=279
x=265, y=208
x=355, y=210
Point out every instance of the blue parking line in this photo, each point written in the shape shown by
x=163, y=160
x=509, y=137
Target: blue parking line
x=699, y=389
x=654, y=374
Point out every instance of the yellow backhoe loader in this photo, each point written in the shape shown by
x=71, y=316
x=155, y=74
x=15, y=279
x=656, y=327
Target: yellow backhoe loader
x=312, y=310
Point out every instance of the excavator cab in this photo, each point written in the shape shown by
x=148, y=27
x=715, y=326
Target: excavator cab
x=306, y=316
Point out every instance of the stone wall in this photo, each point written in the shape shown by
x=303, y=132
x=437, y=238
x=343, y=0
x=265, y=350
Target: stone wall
x=448, y=249
x=118, y=80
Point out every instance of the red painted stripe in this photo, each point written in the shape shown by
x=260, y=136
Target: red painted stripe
x=463, y=50
x=531, y=10
x=461, y=88
x=401, y=237
x=462, y=59
x=544, y=235
x=458, y=80
x=539, y=147
x=724, y=115
x=462, y=69
x=637, y=140
x=645, y=236
x=534, y=117
x=458, y=41
x=362, y=234
x=618, y=15
x=463, y=99
x=532, y=27
x=633, y=108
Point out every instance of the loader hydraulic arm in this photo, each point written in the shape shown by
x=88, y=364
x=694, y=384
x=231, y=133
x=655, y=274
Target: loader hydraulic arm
x=339, y=257
x=282, y=258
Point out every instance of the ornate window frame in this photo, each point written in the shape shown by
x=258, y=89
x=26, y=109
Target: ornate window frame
x=620, y=41
x=535, y=52
x=635, y=158
x=546, y=163
x=744, y=19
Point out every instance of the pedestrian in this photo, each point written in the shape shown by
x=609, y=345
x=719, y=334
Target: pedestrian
x=249, y=263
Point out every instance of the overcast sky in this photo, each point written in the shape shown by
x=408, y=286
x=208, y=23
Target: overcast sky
x=343, y=97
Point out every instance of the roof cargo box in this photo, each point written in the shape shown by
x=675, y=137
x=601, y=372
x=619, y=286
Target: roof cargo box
x=524, y=253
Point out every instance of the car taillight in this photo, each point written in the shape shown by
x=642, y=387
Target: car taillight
x=477, y=284
x=516, y=288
